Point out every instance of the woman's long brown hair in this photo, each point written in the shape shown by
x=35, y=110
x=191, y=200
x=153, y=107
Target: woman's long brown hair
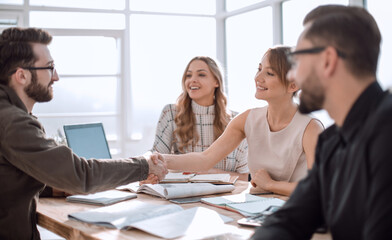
x=185, y=118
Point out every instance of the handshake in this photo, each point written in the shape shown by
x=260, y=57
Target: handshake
x=157, y=168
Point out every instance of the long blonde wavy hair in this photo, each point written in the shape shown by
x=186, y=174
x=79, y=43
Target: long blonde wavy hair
x=185, y=118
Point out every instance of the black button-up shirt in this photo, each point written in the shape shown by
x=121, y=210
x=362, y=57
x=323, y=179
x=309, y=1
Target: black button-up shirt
x=350, y=185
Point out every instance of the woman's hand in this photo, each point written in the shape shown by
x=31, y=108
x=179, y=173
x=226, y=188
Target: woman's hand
x=157, y=166
x=262, y=179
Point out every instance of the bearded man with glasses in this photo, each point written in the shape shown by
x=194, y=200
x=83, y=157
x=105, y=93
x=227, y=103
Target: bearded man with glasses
x=28, y=159
x=349, y=188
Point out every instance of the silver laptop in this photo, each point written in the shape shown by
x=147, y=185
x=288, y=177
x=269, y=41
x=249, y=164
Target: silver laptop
x=87, y=140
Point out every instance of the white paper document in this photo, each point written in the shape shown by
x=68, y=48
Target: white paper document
x=194, y=222
x=236, y=198
x=256, y=207
x=211, y=178
x=132, y=187
x=181, y=177
x=102, y=198
x=177, y=177
x=245, y=204
x=166, y=221
x=182, y=190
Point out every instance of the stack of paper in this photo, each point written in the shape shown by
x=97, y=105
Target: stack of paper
x=219, y=178
x=180, y=177
x=182, y=190
x=102, y=198
x=177, y=177
x=245, y=204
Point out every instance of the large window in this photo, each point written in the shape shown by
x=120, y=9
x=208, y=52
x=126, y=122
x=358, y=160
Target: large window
x=161, y=47
x=121, y=61
x=77, y=20
x=249, y=35
x=232, y=5
x=10, y=19
x=383, y=18
x=88, y=86
x=174, y=6
x=92, y=4
x=293, y=15
x=88, y=53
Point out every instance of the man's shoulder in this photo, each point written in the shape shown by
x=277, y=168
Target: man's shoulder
x=383, y=113
x=329, y=132
x=11, y=114
x=7, y=110
x=385, y=106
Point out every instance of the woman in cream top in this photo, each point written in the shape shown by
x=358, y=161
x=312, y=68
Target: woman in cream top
x=281, y=141
x=281, y=151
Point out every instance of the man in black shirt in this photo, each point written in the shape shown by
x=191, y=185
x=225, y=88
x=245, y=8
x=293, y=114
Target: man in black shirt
x=349, y=188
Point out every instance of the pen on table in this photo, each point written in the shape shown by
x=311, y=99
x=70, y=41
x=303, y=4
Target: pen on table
x=187, y=173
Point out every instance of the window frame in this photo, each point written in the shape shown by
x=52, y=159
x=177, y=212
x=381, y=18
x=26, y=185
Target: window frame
x=124, y=112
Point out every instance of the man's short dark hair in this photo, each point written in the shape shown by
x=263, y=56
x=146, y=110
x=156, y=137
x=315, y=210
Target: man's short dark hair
x=351, y=30
x=16, y=49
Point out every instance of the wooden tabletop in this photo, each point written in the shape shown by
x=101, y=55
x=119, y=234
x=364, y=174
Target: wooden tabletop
x=53, y=215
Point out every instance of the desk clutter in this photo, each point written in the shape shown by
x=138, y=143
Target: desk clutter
x=171, y=220
x=165, y=221
x=150, y=217
x=180, y=185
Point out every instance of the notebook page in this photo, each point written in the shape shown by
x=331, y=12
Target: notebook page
x=256, y=206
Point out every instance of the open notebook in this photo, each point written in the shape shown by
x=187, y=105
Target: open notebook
x=87, y=140
x=183, y=177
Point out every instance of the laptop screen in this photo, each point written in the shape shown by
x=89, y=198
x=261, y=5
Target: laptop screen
x=87, y=140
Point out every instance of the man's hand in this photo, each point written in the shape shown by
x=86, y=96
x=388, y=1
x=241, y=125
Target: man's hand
x=157, y=166
x=59, y=193
x=151, y=179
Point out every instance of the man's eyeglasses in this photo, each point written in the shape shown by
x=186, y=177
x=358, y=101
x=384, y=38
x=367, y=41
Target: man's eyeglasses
x=52, y=68
x=290, y=55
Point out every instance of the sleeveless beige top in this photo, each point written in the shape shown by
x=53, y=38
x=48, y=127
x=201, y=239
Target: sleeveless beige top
x=280, y=153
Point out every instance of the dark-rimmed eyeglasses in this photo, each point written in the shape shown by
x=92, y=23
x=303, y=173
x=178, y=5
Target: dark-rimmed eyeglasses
x=51, y=68
x=314, y=50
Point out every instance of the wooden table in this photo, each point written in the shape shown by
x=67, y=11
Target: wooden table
x=53, y=215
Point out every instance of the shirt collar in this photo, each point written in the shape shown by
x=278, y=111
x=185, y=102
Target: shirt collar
x=361, y=110
x=198, y=109
x=12, y=97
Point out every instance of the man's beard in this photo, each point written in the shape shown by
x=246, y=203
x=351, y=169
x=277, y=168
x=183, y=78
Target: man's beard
x=38, y=92
x=312, y=95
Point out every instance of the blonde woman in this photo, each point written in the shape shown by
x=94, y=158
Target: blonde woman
x=199, y=117
x=281, y=140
